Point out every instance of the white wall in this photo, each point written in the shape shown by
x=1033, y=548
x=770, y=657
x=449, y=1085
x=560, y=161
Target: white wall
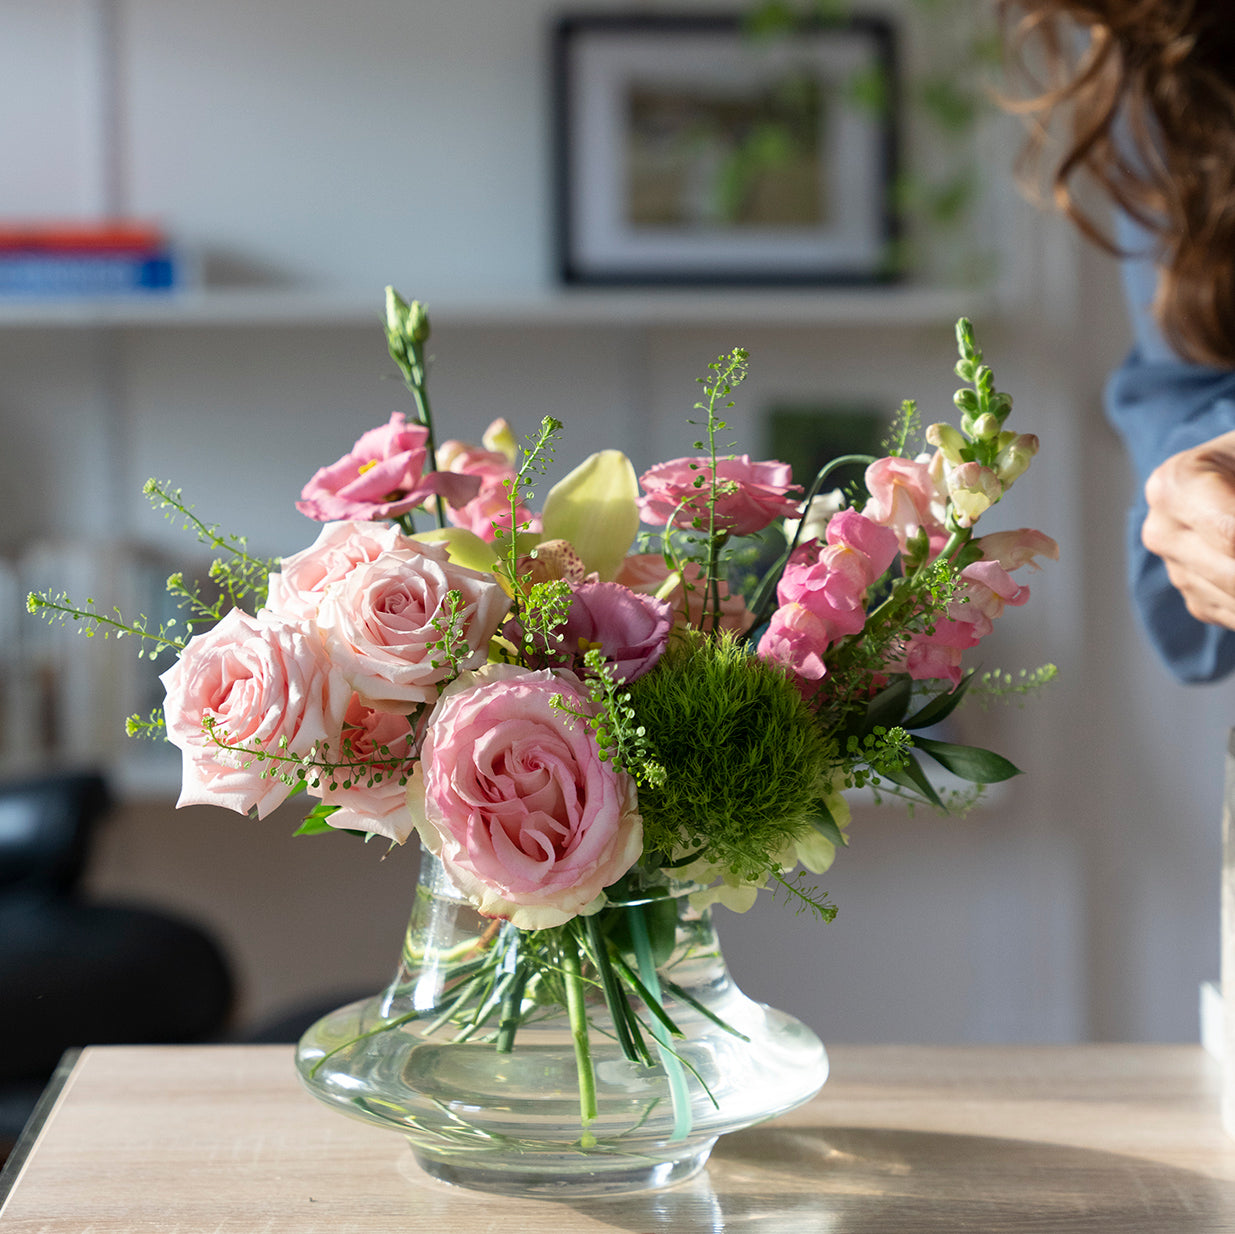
x=341, y=147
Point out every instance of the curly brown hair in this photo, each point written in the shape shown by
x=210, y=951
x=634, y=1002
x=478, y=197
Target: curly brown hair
x=1148, y=89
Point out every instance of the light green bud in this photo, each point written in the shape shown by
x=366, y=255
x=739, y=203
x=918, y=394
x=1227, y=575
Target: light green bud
x=986, y=426
x=1012, y=462
x=948, y=439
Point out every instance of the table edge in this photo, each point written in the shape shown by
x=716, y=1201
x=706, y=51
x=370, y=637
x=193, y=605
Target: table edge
x=17, y=1159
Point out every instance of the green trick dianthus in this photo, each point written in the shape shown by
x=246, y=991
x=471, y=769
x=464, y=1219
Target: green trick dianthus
x=746, y=756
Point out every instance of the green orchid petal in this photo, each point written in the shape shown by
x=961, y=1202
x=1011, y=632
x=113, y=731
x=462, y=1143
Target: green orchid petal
x=595, y=509
x=463, y=547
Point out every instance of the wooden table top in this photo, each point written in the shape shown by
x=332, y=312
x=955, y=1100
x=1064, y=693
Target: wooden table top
x=182, y=1140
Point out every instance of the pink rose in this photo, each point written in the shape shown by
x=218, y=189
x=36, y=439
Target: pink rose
x=631, y=629
x=379, y=621
x=371, y=797
x=511, y=793
x=647, y=573
x=906, y=496
x=296, y=590
x=382, y=477
x=749, y=495
x=263, y=683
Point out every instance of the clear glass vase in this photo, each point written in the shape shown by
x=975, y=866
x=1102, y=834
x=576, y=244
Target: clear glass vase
x=486, y=1108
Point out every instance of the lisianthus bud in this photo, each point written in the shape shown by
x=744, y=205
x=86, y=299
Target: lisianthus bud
x=947, y=439
x=1014, y=458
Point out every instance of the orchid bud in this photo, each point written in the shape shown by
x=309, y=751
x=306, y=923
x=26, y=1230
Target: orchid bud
x=1013, y=460
x=948, y=440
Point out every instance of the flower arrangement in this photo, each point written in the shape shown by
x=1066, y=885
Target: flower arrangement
x=585, y=708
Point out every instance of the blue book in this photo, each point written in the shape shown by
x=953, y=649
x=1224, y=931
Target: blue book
x=86, y=273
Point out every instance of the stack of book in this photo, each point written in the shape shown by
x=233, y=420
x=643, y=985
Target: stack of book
x=86, y=259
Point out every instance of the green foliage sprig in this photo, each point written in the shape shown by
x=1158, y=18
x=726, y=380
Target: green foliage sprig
x=240, y=577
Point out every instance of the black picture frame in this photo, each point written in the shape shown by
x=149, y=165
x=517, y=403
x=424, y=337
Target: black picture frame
x=689, y=152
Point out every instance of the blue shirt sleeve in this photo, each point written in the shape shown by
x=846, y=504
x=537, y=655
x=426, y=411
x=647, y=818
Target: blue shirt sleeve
x=1160, y=405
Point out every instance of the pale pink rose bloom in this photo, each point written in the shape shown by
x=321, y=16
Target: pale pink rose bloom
x=378, y=622
x=376, y=801
x=1013, y=549
x=382, y=477
x=906, y=495
x=647, y=573
x=260, y=681
x=750, y=495
x=797, y=638
x=511, y=793
x=296, y=590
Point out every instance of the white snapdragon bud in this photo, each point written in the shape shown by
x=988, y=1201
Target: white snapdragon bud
x=986, y=426
x=948, y=439
x=973, y=489
x=1014, y=458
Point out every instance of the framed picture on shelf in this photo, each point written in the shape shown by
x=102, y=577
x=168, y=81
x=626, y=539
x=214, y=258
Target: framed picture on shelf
x=689, y=151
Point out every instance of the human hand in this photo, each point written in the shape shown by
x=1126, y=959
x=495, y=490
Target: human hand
x=1191, y=526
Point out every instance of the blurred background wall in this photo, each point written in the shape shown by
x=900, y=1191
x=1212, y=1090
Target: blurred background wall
x=309, y=153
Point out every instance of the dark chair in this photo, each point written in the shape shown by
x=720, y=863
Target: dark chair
x=74, y=972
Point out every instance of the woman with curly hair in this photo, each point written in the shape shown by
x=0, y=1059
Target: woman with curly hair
x=1146, y=92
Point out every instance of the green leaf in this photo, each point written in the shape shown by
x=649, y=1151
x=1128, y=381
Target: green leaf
x=825, y=824
x=315, y=823
x=939, y=707
x=888, y=706
x=969, y=762
x=911, y=775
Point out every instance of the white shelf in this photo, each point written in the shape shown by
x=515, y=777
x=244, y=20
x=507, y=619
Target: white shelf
x=881, y=306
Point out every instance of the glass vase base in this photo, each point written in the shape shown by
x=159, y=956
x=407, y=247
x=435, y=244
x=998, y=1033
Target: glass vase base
x=566, y=1177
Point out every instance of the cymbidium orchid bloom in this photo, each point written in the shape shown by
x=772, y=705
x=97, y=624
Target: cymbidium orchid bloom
x=595, y=508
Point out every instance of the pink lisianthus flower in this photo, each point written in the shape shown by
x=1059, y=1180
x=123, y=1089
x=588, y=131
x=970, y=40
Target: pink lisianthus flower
x=381, y=620
x=631, y=629
x=372, y=797
x=295, y=591
x=648, y=573
x=511, y=793
x=907, y=495
x=382, y=477
x=265, y=686
x=749, y=495
x=490, y=506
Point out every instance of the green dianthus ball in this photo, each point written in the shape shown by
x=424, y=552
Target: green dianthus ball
x=743, y=752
